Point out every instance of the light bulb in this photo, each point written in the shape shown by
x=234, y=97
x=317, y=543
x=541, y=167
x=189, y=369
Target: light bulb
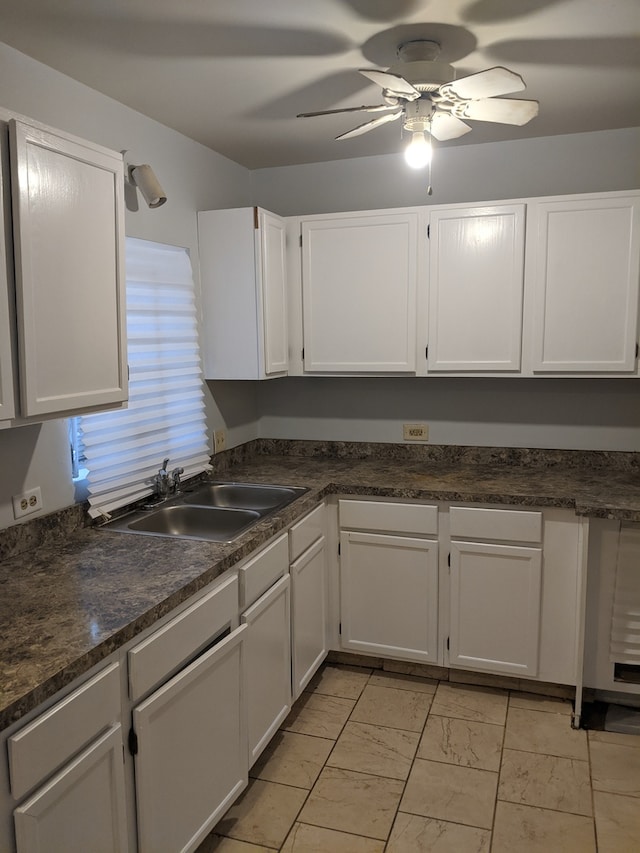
x=418, y=151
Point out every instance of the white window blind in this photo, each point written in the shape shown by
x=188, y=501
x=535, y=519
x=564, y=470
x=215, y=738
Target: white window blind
x=625, y=626
x=165, y=417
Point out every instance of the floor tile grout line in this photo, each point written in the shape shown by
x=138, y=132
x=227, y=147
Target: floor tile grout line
x=304, y=802
x=386, y=841
x=543, y=808
x=593, y=799
x=309, y=791
x=549, y=755
x=495, y=802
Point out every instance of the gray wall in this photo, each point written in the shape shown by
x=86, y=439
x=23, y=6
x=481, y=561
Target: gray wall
x=581, y=162
x=587, y=414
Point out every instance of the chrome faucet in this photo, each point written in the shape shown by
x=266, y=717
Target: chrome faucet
x=166, y=483
x=175, y=479
x=161, y=481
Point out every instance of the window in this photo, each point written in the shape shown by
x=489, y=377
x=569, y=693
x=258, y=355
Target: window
x=124, y=449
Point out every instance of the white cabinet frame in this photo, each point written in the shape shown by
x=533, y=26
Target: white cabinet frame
x=68, y=224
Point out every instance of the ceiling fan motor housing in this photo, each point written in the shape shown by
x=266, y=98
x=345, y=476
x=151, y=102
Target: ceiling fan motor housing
x=418, y=65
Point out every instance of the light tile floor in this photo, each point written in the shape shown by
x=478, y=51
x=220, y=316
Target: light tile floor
x=376, y=762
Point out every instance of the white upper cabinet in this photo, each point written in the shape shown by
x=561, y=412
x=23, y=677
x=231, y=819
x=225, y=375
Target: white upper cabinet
x=476, y=278
x=68, y=228
x=359, y=274
x=244, y=296
x=583, y=258
x=7, y=389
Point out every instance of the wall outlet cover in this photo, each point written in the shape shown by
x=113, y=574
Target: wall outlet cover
x=219, y=440
x=28, y=502
x=415, y=432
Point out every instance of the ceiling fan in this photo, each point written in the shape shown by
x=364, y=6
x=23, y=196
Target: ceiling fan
x=426, y=96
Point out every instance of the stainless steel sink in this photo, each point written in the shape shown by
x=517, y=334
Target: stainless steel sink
x=196, y=522
x=216, y=512
x=244, y=496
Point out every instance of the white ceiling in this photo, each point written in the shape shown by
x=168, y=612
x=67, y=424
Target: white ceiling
x=233, y=75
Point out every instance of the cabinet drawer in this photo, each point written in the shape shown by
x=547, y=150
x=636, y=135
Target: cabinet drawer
x=55, y=737
x=305, y=532
x=379, y=515
x=164, y=652
x=509, y=525
x=263, y=570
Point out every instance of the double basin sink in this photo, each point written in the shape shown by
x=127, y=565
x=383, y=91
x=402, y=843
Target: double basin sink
x=216, y=512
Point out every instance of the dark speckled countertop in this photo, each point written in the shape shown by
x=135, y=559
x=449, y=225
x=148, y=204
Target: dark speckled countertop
x=70, y=599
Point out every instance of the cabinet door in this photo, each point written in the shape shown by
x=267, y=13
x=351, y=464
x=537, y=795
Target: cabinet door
x=389, y=591
x=82, y=808
x=271, y=246
x=359, y=293
x=585, y=261
x=244, y=306
x=7, y=388
x=495, y=607
x=308, y=614
x=192, y=751
x=476, y=278
x=69, y=241
x=267, y=666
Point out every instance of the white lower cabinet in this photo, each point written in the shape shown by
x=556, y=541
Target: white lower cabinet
x=492, y=589
x=515, y=592
x=495, y=589
x=191, y=760
x=267, y=665
x=82, y=808
x=495, y=607
x=66, y=773
x=265, y=599
x=309, y=577
x=389, y=583
x=188, y=736
x=389, y=588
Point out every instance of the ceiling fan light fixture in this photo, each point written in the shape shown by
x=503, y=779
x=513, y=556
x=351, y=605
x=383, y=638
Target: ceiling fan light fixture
x=419, y=151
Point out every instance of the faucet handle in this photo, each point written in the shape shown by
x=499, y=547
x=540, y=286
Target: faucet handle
x=165, y=462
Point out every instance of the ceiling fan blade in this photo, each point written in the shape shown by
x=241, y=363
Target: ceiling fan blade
x=364, y=128
x=371, y=109
x=485, y=84
x=444, y=126
x=502, y=110
x=392, y=83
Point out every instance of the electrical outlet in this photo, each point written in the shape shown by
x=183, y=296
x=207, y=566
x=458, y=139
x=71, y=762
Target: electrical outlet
x=27, y=502
x=219, y=440
x=415, y=432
